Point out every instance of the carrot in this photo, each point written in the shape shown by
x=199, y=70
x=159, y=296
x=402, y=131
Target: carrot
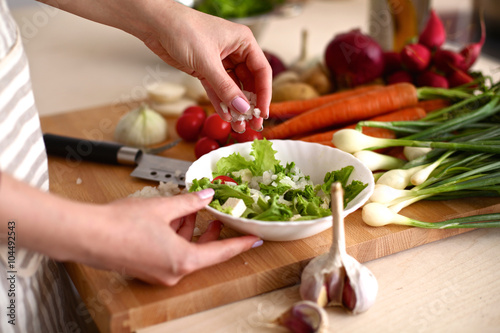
x=411, y=113
x=430, y=105
x=348, y=110
x=288, y=109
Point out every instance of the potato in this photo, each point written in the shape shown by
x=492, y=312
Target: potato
x=292, y=91
x=317, y=77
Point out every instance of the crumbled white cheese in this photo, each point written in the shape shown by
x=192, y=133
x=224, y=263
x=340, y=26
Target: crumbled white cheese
x=252, y=112
x=237, y=206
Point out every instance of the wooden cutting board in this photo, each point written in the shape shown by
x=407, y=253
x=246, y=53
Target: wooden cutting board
x=120, y=304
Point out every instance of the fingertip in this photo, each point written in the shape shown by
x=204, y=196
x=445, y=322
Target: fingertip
x=238, y=127
x=204, y=194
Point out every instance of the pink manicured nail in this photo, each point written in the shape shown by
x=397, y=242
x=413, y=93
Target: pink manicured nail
x=240, y=105
x=205, y=194
x=257, y=243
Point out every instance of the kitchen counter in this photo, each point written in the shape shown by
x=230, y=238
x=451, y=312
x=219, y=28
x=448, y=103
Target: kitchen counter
x=450, y=285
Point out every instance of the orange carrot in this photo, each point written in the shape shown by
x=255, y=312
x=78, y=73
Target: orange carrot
x=288, y=109
x=433, y=104
x=348, y=110
x=411, y=113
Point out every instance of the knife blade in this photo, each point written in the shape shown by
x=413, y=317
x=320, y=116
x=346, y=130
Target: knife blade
x=148, y=166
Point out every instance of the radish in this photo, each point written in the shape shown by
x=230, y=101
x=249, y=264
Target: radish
x=448, y=61
x=415, y=57
x=392, y=61
x=353, y=59
x=459, y=78
x=431, y=79
x=434, y=34
x=399, y=76
x=472, y=51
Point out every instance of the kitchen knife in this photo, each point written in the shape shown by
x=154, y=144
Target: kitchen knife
x=150, y=167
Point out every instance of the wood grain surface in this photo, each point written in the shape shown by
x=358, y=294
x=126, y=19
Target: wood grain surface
x=120, y=304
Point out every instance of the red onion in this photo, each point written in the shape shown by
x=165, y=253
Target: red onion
x=276, y=63
x=434, y=34
x=354, y=58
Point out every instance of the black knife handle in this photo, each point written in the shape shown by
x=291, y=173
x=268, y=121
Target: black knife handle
x=77, y=150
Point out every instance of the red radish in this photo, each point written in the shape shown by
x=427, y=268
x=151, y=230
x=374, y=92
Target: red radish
x=431, y=79
x=458, y=78
x=415, y=57
x=354, y=58
x=392, y=61
x=434, y=34
x=448, y=61
x=472, y=51
x=399, y=76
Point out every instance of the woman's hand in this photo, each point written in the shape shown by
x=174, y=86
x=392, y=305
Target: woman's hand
x=151, y=238
x=223, y=55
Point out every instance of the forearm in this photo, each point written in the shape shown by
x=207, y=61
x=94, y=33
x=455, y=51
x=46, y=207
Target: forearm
x=137, y=17
x=44, y=222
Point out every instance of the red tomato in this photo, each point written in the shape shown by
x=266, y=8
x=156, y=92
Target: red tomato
x=248, y=135
x=216, y=128
x=205, y=145
x=225, y=179
x=189, y=127
x=197, y=110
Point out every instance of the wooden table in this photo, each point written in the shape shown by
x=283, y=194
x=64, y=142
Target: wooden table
x=272, y=266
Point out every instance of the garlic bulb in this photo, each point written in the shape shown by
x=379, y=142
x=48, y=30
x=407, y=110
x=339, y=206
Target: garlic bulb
x=335, y=278
x=141, y=127
x=304, y=317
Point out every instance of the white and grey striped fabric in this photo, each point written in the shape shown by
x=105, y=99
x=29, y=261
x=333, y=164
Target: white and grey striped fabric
x=44, y=298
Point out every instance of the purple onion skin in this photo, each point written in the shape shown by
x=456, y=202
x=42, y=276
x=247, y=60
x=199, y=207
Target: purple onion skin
x=354, y=59
x=434, y=33
x=415, y=57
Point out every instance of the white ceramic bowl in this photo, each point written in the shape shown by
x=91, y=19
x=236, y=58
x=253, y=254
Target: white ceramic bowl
x=312, y=159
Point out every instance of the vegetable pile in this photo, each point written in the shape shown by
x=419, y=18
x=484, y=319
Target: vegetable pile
x=451, y=153
x=272, y=191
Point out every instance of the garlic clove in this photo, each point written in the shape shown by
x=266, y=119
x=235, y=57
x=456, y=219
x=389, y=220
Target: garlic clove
x=303, y=317
x=141, y=127
x=360, y=286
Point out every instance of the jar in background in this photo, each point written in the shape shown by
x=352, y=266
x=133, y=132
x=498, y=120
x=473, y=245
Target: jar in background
x=394, y=23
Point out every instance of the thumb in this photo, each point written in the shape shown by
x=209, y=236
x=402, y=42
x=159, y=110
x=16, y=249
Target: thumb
x=185, y=204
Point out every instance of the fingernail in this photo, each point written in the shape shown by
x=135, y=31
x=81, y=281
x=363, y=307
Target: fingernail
x=240, y=105
x=260, y=129
x=257, y=243
x=205, y=194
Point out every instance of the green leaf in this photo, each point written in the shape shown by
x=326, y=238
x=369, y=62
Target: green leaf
x=264, y=159
x=273, y=211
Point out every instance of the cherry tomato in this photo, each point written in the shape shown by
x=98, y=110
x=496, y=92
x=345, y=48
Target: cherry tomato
x=216, y=128
x=224, y=179
x=197, y=110
x=189, y=127
x=205, y=145
x=248, y=135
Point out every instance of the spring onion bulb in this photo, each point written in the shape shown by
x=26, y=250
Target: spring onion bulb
x=376, y=215
x=398, y=178
x=422, y=175
x=375, y=161
x=412, y=153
